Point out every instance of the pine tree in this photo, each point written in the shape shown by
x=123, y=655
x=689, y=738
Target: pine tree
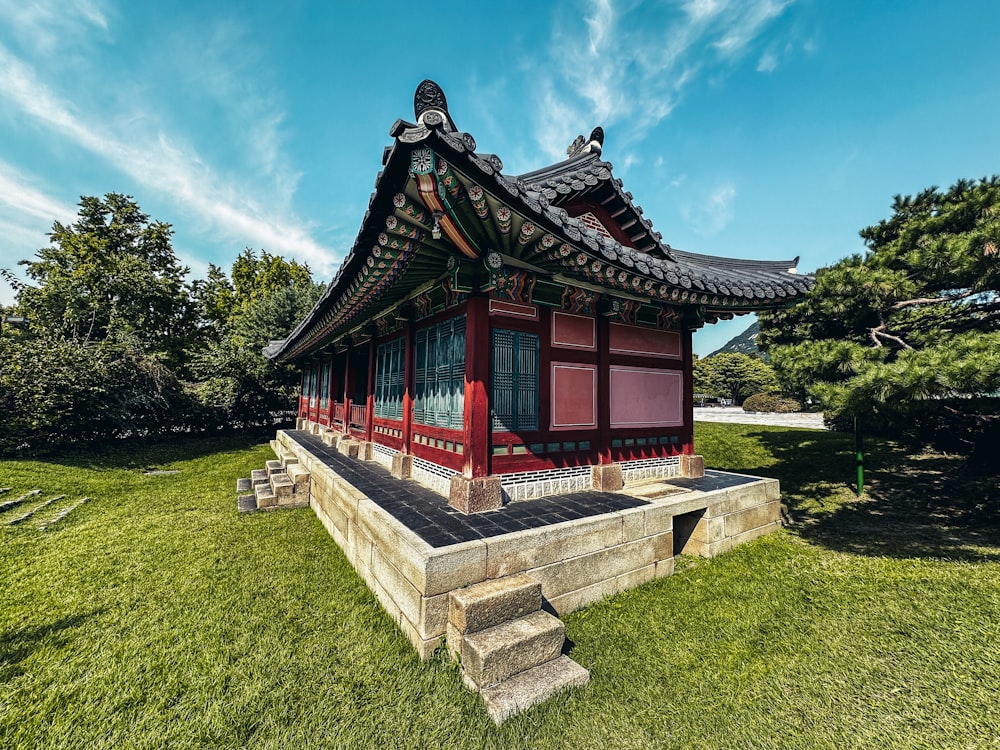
x=907, y=337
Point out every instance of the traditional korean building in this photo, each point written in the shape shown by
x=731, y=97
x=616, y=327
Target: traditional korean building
x=503, y=337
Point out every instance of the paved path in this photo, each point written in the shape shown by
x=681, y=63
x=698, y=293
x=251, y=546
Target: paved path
x=735, y=414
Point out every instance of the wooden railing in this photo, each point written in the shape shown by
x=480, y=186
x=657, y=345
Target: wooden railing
x=358, y=415
x=338, y=412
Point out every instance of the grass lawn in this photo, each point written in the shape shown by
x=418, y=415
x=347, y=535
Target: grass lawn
x=155, y=616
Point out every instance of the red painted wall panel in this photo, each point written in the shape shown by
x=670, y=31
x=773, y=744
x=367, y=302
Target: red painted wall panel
x=648, y=342
x=646, y=397
x=573, y=331
x=574, y=396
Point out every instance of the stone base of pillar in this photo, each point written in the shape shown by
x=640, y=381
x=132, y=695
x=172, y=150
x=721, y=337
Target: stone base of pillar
x=692, y=466
x=606, y=477
x=300, y=423
x=366, y=450
x=402, y=465
x=350, y=448
x=475, y=495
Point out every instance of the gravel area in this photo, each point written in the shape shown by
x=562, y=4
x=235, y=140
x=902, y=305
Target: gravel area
x=735, y=414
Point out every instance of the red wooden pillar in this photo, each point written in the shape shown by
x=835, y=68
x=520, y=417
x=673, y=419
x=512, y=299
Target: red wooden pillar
x=314, y=392
x=478, y=346
x=303, y=404
x=688, y=436
x=370, y=398
x=603, y=330
x=348, y=388
x=408, y=386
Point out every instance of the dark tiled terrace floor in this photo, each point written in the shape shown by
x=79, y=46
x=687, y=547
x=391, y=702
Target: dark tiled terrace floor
x=428, y=514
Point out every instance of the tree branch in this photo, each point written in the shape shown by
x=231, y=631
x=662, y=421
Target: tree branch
x=932, y=300
x=878, y=333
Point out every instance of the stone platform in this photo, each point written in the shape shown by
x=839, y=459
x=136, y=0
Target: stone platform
x=412, y=549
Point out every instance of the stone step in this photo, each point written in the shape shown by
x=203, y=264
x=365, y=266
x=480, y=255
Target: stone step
x=281, y=485
x=265, y=498
x=487, y=604
x=258, y=476
x=299, y=476
x=274, y=467
x=495, y=654
x=243, y=485
x=246, y=503
x=288, y=461
x=533, y=686
x=652, y=490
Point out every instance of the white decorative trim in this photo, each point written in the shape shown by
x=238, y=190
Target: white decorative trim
x=532, y=485
x=382, y=455
x=433, y=476
x=513, y=309
x=650, y=468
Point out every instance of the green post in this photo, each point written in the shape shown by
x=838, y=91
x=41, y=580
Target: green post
x=859, y=445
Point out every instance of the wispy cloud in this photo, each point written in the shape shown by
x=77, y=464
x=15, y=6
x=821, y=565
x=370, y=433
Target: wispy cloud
x=46, y=24
x=767, y=63
x=18, y=196
x=26, y=215
x=629, y=63
x=170, y=166
x=714, y=213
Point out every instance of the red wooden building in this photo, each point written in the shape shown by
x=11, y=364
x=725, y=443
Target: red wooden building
x=503, y=337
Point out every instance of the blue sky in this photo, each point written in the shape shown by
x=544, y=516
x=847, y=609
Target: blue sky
x=760, y=129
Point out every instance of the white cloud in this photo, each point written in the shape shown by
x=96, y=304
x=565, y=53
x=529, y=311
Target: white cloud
x=713, y=214
x=26, y=216
x=767, y=63
x=169, y=166
x=700, y=10
x=18, y=196
x=637, y=62
x=746, y=23
x=45, y=25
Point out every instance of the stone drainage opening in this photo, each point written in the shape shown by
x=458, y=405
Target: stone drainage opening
x=684, y=526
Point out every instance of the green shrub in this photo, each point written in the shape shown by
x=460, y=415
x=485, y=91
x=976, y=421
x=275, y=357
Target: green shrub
x=768, y=402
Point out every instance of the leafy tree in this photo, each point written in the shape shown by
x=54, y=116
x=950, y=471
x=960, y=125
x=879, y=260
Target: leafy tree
x=116, y=335
x=112, y=271
x=907, y=337
x=734, y=376
x=57, y=391
x=234, y=377
x=254, y=278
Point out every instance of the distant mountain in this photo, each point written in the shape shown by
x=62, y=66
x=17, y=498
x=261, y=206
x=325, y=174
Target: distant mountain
x=744, y=343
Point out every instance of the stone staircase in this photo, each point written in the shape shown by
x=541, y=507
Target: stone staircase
x=281, y=484
x=509, y=649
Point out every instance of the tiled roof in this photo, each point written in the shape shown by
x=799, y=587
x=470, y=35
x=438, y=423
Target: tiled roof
x=396, y=249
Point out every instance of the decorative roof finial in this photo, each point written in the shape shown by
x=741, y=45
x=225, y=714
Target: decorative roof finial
x=592, y=145
x=430, y=106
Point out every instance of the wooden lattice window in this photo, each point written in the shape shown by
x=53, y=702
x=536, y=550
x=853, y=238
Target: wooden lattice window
x=389, y=374
x=313, y=378
x=515, y=380
x=439, y=374
x=324, y=386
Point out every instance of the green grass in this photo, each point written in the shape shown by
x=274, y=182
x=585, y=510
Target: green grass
x=155, y=616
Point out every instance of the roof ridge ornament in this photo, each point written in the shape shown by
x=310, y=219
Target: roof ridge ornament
x=592, y=145
x=430, y=106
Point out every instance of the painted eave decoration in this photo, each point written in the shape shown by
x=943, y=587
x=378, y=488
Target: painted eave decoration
x=445, y=220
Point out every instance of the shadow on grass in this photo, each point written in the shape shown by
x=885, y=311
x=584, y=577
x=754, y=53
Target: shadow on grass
x=16, y=645
x=919, y=505
x=152, y=453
